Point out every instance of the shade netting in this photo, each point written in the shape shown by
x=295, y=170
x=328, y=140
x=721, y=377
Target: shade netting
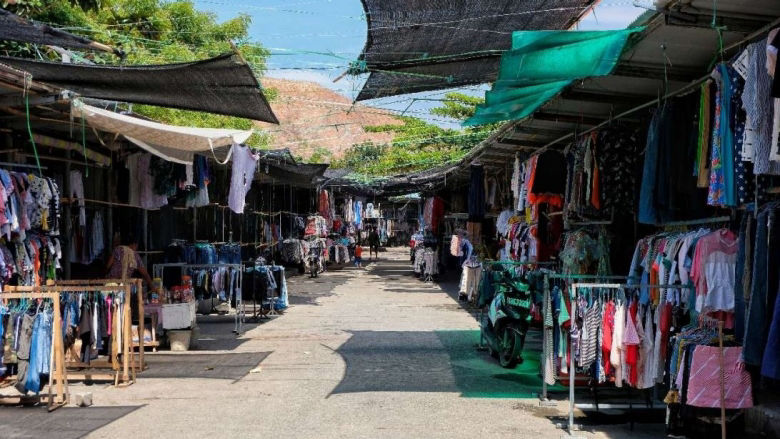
x=541, y=64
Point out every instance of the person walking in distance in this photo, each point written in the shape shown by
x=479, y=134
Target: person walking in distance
x=373, y=244
x=359, y=256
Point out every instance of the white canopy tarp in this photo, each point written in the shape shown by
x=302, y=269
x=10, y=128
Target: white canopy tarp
x=173, y=143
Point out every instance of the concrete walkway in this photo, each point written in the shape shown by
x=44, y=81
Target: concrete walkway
x=372, y=353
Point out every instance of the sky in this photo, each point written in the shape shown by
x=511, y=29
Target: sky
x=315, y=40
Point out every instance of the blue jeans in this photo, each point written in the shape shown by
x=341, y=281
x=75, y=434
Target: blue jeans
x=739, y=275
x=765, y=261
x=40, y=348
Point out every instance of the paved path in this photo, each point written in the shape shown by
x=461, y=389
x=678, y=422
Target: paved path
x=372, y=353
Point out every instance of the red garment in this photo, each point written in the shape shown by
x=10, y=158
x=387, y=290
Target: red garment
x=324, y=205
x=664, y=325
x=437, y=213
x=631, y=343
x=533, y=198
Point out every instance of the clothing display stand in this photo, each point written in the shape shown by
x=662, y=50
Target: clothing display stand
x=543, y=398
x=573, y=293
x=141, y=344
x=122, y=363
x=58, y=394
x=159, y=271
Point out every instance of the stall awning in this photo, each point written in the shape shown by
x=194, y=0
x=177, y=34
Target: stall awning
x=173, y=143
x=221, y=85
x=16, y=28
x=419, y=45
x=542, y=63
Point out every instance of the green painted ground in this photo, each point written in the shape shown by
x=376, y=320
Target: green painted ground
x=478, y=375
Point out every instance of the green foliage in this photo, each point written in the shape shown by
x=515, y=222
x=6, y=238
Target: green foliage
x=321, y=155
x=458, y=106
x=417, y=145
x=150, y=32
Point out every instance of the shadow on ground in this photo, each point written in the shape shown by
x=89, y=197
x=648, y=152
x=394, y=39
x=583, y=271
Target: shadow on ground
x=63, y=423
x=440, y=361
x=225, y=366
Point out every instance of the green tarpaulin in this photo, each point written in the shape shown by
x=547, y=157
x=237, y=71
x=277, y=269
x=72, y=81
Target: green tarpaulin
x=541, y=64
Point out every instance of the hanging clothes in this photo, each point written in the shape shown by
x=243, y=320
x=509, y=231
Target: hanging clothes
x=242, y=175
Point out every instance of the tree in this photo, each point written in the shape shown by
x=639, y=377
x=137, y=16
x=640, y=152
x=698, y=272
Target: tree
x=150, y=32
x=417, y=144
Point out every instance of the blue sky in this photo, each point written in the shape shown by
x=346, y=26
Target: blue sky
x=314, y=40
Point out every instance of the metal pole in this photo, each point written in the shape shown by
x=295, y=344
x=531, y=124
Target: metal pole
x=572, y=293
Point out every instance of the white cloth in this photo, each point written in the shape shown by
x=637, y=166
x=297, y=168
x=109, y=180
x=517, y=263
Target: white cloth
x=176, y=144
x=470, y=278
x=502, y=223
x=244, y=164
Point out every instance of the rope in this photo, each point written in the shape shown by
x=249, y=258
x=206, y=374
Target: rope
x=29, y=131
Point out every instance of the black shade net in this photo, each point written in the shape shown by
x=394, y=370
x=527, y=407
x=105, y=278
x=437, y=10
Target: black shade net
x=220, y=85
x=16, y=28
x=421, y=45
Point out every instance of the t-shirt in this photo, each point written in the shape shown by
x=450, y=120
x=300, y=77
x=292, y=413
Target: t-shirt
x=124, y=255
x=358, y=252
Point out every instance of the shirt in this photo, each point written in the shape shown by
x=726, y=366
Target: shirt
x=124, y=257
x=713, y=272
x=244, y=164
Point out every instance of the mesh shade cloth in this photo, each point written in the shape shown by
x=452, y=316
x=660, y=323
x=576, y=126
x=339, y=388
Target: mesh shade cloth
x=435, y=44
x=541, y=64
x=220, y=85
x=170, y=142
x=16, y=28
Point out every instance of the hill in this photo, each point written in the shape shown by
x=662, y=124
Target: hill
x=316, y=121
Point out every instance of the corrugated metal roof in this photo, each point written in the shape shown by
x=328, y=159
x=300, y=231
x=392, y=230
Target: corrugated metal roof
x=678, y=48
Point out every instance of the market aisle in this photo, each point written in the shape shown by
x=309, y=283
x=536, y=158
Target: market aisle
x=361, y=353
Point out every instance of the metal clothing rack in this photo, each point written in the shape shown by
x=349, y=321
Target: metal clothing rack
x=543, y=400
x=719, y=219
x=573, y=291
x=240, y=310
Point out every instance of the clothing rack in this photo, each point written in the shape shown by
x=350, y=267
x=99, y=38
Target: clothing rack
x=21, y=165
x=543, y=399
x=122, y=371
x=141, y=364
x=521, y=263
x=719, y=219
x=159, y=270
x=573, y=291
x=58, y=394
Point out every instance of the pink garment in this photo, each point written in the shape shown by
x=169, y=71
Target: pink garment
x=714, y=262
x=704, y=379
x=616, y=357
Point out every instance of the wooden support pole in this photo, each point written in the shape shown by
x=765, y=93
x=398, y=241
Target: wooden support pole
x=722, y=383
